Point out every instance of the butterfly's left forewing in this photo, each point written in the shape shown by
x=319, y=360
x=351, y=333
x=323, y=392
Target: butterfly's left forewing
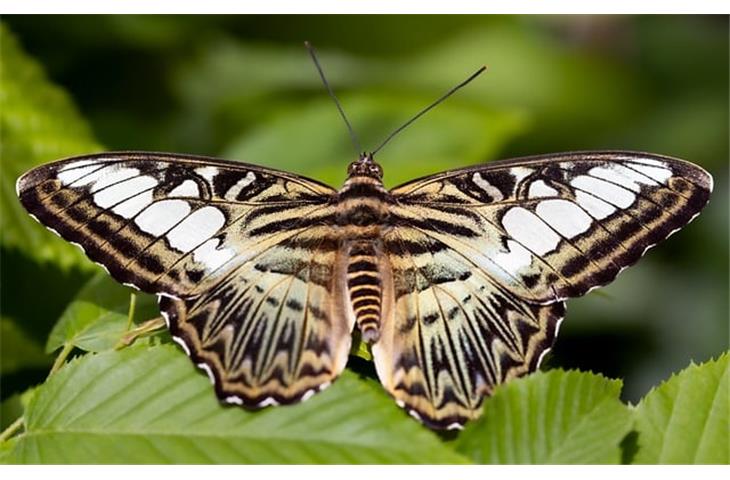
x=238, y=254
x=166, y=223
x=483, y=257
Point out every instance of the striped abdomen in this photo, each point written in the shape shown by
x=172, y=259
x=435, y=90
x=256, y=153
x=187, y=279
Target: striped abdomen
x=364, y=284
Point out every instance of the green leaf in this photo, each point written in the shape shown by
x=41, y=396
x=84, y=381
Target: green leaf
x=39, y=124
x=359, y=348
x=548, y=418
x=18, y=351
x=685, y=419
x=97, y=318
x=149, y=405
x=10, y=409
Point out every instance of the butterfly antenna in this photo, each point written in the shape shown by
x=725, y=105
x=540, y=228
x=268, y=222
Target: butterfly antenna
x=423, y=112
x=353, y=137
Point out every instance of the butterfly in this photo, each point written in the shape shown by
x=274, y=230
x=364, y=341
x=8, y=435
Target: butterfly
x=457, y=281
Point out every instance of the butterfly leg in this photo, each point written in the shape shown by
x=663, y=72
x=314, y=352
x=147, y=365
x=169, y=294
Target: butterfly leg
x=150, y=326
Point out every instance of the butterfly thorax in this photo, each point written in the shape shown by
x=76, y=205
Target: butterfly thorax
x=362, y=214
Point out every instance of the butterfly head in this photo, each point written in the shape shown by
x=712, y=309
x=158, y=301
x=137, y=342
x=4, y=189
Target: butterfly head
x=365, y=166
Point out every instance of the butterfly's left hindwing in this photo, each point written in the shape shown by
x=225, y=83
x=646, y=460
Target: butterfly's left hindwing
x=277, y=328
x=236, y=252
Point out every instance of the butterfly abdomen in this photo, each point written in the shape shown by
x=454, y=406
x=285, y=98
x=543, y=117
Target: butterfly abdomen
x=364, y=284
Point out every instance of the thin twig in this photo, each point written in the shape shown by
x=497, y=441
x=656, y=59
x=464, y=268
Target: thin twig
x=10, y=431
x=61, y=358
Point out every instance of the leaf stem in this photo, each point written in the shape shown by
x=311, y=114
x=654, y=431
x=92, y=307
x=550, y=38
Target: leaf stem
x=132, y=305
x=12, y=428
x=61, y=358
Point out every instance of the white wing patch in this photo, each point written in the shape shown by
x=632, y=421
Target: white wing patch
x=208, y=173
x=595, y=207
x=564, y=216
x=188, y=188
x=490, y=189
x=539, y=189
x=607, y=191
x=122, y=191
x=131, y=207
x=527, y=228
x=211, y=256
x=196, y=229
x=74, y=172
x=161, y=216
x=235, y=190
x=515, y=259
x=661, y=175
x=114, y=176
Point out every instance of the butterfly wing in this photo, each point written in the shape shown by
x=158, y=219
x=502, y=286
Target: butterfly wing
x=558, y=225
x=231, y=248
x=451, y=332
x=277, y=329
x=483, y=257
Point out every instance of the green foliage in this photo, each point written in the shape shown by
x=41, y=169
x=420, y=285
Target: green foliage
x=687, y=418
x=456, y=129
x=149, y=405
x=17, y=351
x=556, y=417
x=99, y=315
x=39, y=124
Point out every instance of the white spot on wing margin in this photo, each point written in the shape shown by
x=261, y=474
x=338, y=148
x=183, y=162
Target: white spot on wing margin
x=555, y=336
x=267, y=402
x=207, y=369
x=181, y=342
x=233, y=399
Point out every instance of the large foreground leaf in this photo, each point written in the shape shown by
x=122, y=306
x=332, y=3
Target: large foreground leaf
x=148, y=405
x=97, y=318
x=39, y=124
x=687, y=418
x=553, y=417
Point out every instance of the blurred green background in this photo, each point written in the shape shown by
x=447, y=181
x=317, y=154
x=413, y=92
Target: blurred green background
x=243, y=87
